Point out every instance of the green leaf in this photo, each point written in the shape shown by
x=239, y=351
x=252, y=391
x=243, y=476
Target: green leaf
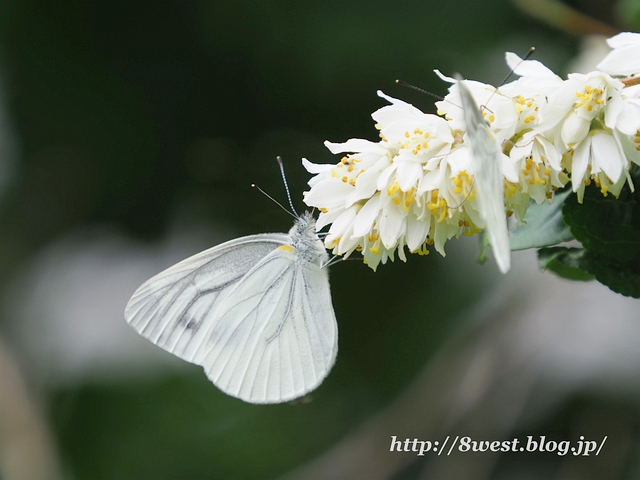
x=544, y=225
x=609, y=230
x=580, y=264
x=564, y=262
x=607, y=226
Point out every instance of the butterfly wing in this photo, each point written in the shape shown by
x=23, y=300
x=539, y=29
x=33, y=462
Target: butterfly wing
x=276, y=338
x=488, y=178
x=176, y=308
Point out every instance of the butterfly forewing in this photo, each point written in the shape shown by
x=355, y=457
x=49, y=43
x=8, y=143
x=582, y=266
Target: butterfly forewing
x=488, y=179
x=176, y=308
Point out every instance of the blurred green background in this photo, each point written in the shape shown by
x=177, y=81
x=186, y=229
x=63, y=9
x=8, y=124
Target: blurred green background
x=130, y=133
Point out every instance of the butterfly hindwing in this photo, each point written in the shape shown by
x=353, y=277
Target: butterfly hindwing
x=277, y=335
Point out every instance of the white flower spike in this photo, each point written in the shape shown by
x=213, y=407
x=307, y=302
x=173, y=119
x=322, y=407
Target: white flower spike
x=431, y=178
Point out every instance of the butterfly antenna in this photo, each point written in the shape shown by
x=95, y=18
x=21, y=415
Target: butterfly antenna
x=529, y=53
x=421, y=90
x=286, y=185
x=273, y=199
x=473, y=182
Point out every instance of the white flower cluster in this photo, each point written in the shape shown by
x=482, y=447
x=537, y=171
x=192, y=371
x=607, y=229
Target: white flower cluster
x=415, y=187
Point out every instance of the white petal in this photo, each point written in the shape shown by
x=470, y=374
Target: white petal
x=316, y=167
x=607, y=155
x=385, y=176
x=625, y=58
x=624, y=38
x=445, y=78
x=508, y=168
x=460, y=159
x=325, y=219
x=431, y=181
x=355, y=145
x=580, y=162
x=532, y=68
x=330, y=194
x=391, y=227
x=417, y=231
x=366, y=216
x=408, y=174
x=574, y=129
x=628, y=121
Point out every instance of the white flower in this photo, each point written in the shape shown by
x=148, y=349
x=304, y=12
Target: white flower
x=579, y=100
x=539, y=167
x=624, y=59
x=602, y=158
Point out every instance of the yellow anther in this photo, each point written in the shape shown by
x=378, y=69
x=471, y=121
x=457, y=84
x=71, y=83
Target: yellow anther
x=422, y=250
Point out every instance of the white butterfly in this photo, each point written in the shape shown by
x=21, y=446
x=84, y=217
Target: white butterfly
x=488, y=178
x=254, y=312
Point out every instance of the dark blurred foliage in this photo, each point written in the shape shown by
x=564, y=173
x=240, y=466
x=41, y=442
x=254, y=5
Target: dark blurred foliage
x=133, y=113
